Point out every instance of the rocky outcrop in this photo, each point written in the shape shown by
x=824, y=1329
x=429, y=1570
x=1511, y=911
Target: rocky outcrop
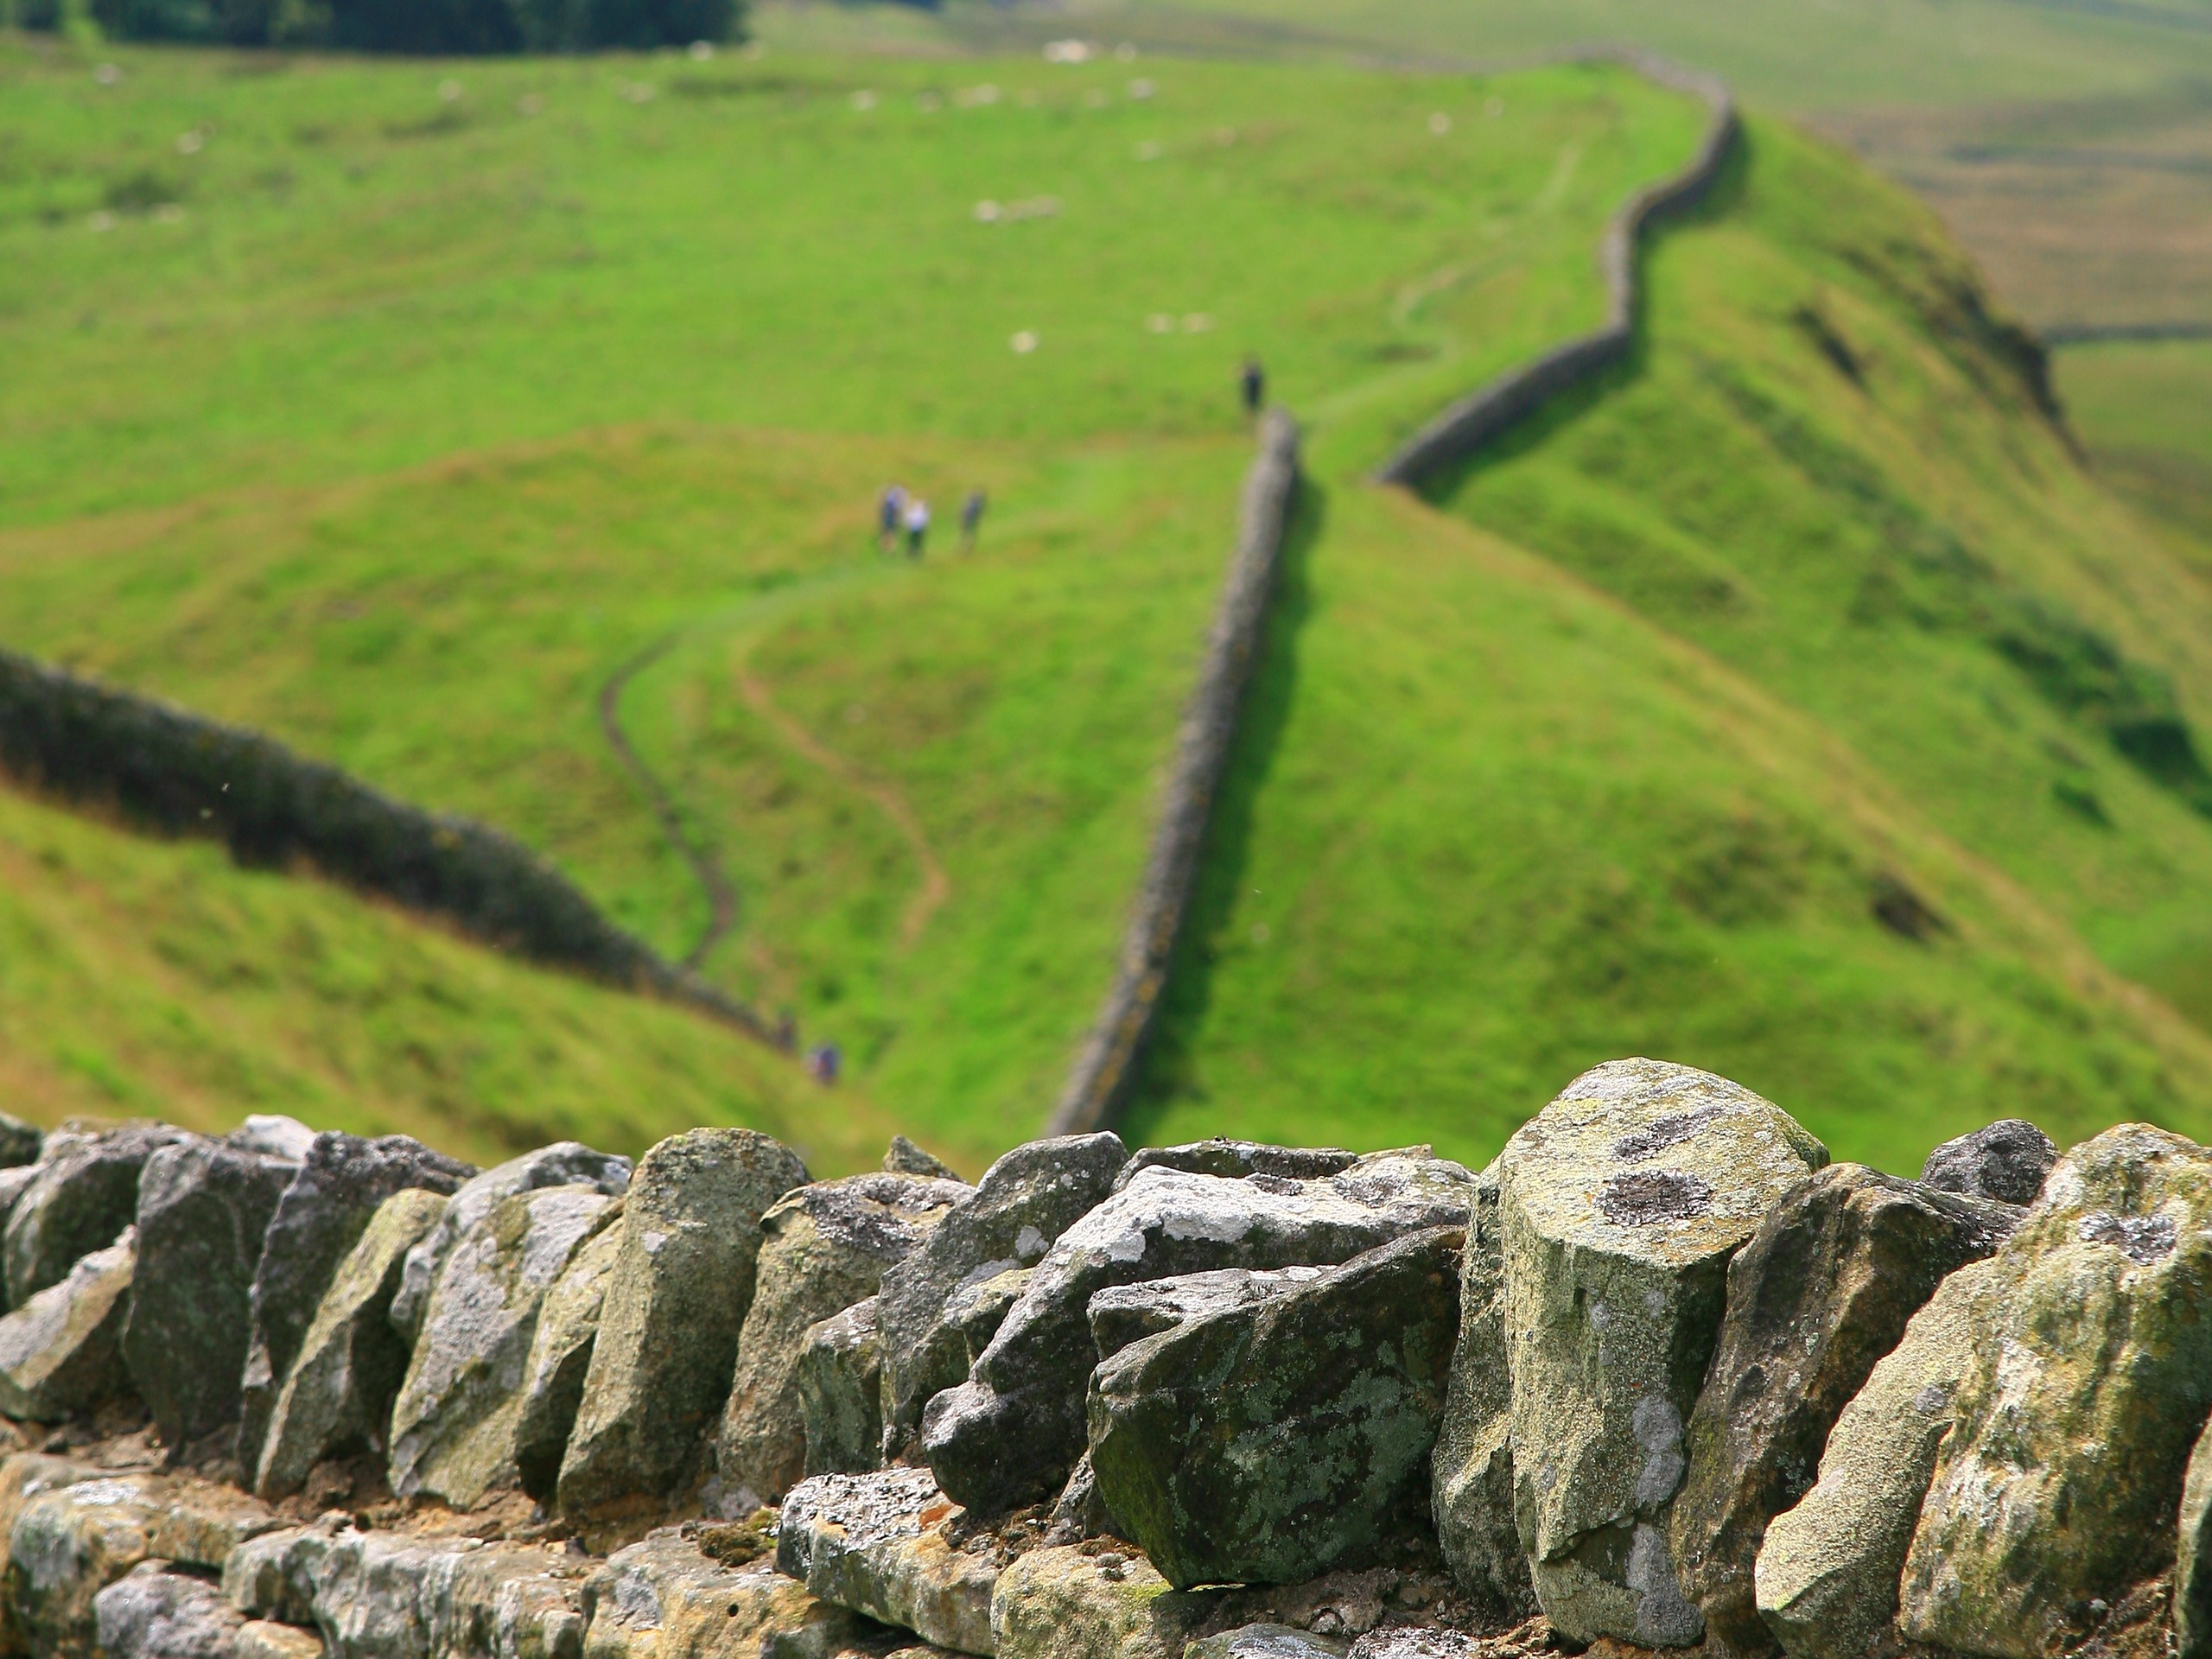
x=2008, y=1161
x=62, y=1351
x=1009, y=1435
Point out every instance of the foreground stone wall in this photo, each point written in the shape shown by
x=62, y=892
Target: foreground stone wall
x=1661, y=1378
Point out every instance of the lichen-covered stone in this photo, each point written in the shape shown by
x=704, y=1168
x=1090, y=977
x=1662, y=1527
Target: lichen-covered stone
x=2192, y=1603
x=83, y=1196
x=338, y=1394
x=2008, y=1161
x=1826, y=1577
x=1076, y=1602
x=664, y=1598
x=877, y=1543
x=1822, y=1291
x=565, y=1163
x=453, y=1426
x=67, y=1546
x=273, y=1576
x=1122, y=1314
x=264, y=1638
x=203, y=1207
x=1267, y=1642
x=1619, y=1206
x=1471, y=1469
x=61, y=1350
x=840, y=1381
x=381, y=1595
x=823, y=1248
x=2062, y=1481
x=24, y=1475
x=1235, y=1159
x=559, y=1356
x=976, y=1310
x=154, y=1613
x=342, y=1181
x=1010, y=1433
x=272, y=1134
x=903, y=1157
x=201, y=1523
x=668, y=1325
x=1021, y=1206
x=1281, y=1435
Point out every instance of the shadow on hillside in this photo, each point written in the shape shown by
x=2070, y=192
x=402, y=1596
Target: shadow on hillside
x=1563, y=410
x=1164, y=1072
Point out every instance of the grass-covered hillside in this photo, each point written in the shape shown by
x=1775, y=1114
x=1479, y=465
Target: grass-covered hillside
x=403, y=409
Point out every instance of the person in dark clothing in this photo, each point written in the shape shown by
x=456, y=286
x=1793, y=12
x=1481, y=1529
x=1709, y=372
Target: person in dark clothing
x=1254, y=383
x=971, y=518
x=890, y=512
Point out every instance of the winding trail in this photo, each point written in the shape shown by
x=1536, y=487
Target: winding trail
x=721, y=897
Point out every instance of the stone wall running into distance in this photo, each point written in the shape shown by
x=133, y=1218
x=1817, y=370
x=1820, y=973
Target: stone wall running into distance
x=182, y=774
x=1661, y=1378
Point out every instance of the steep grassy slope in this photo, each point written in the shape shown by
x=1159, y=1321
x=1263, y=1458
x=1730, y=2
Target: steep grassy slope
x=143, y=979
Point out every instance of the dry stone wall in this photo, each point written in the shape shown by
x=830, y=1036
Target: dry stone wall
x=1661, y=1378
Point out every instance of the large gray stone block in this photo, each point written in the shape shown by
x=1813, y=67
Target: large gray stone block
x=81, y=1197
x=154, y=1613
x=560, y=1357
x=840, y=1381
x=2006, y=1161
x=877, y=1544
x=62, y=1351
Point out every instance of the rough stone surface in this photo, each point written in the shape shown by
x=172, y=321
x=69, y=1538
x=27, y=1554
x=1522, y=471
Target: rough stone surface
x=154, y=1613
x=272, y=1134
x=201, y=1523
x=1267, y=1642
x=1080, y=1510
x=1010, y=1433
x=566, y=1163
x=1471, y=1469
x=2192, y=1603
x=1122, y=1314
x=2062, y=1481
x=1826, y=1577
x=62, y=1351
x=82, y=1198
x=978, y=1308
x=559, y=1356
x=338, y=1395
x=264, y=1638
x=274, y=1576
x=1021, y=1206
x=203, y=1207
x=1822, y=1291
x=1234, y=1159
x=1619, y=1206
x=2008, y=1161
x=1073, y=1602
x=876, y=1543
x=823, y=1248
x=69, y=1544
x=1277, y=1438
x=668, y=1326
x=453, y=1426
x=664, y=1598
x=840, y=1381
x=20, y=1143
x=381, y=1595
x=341, y=1181
x=22, y=1478
x=904, y=1158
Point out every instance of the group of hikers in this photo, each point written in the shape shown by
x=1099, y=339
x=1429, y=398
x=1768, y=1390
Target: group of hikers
x=903, y=513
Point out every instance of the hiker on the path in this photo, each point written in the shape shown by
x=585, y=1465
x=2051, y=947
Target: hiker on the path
x=824, y=1061
x=917, y=526
x=888, y=514
x=971, y=518
x=1253, y=380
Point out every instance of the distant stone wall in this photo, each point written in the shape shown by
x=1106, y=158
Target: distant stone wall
x=177, y=772
x=1106, y=1066
x=1513, y=396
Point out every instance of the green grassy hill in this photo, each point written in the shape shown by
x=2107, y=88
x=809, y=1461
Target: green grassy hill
x=402, y=405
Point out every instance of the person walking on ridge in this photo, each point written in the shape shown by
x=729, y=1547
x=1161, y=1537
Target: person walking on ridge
x=917, y=526
x=1253, y=382
x=971, y=518
x=888, y=514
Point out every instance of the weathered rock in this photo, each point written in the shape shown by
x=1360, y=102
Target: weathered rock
x=381, y=1595
x=1122, y=1314
x=81, y=1198
x=876, y=1543
x=904, y=1158
x=1619, y=1206
x=453, y=1425
x=203, y=1208
x=338, y=1394
x=24, y=1475
x=566, y=1163
x=62, y=1351
x=154, y=1613
x=1235, y=1159
x=823, y=1248
x=2192, y=1604
x=67, y=1546
x=201, y=1524
x=1024, y=1202
x=1068, y=1603
x=665, y=1599
x=1822, y=1291
x=680, y=1290
x=2008, y=1161
x=840, y=1380
x=1010, y=1433
x=2061, y=1483
x=1826, y=1579
x=14, y=1181
x=1080, y=1510
x=976, y=1310
x=560, y=1356
x=272, y=1134
x=1471, y=1469
x=264, y=1638
x=274, y=1576
x=341, y=1181
x=1273, y=1440
x=20, y=1143
x=1267, y=1642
